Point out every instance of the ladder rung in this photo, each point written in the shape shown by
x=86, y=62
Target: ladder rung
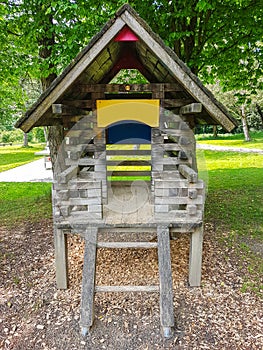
x=127, y=289
x=144, y=245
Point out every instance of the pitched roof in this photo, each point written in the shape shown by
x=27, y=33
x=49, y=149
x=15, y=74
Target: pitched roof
x=104, y=56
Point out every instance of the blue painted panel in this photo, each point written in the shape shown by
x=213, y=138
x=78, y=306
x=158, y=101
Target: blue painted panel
x=129, y=132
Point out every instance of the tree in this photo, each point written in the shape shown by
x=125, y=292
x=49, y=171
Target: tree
x=213, y=37
x=50, y=34
x=44, y=35
x=219, y=40
x=243, y=105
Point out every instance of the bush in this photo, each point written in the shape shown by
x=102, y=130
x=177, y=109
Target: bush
x=14, y=136
x=5, y=137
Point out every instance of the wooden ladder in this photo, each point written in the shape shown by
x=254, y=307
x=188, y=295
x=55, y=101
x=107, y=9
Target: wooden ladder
x=165, y=287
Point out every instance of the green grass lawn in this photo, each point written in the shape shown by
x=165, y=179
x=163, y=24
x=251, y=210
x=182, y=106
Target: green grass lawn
x=22, y=201
x=231, y=140
x=234, y=206
x=234, y=190
x=13, y=156
x=27, y=201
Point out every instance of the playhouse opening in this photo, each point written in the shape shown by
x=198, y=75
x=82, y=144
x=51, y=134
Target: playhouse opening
x=128, y=151
x=128, y=124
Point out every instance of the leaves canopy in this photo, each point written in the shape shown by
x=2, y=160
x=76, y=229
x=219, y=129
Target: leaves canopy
x=217, y=39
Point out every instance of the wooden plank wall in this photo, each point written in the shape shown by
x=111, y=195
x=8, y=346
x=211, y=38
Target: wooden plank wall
x=178, y=194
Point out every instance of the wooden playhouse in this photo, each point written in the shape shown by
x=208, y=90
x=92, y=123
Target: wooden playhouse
x=128, y=158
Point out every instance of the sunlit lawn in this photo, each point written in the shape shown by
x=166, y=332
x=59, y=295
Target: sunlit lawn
x=13, y=156
x=233, y=140
x=234, y=190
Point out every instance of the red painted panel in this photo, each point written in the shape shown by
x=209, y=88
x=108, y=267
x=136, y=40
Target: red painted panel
x=126, y=35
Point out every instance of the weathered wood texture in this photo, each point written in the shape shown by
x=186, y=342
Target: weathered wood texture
x=61, y=258
x=85, y=201
x=88, y=278
x=192, y=108
x=165, y=276
x=124, y=289
x=195, y=258
x=78, y=199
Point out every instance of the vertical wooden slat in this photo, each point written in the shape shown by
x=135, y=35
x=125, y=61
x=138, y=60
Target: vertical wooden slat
x=195, y=258
x=88, y=279
x=166, y=284
x=61, y=258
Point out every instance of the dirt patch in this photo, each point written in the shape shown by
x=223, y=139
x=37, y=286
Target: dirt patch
x=254, y=245
x=35, y=315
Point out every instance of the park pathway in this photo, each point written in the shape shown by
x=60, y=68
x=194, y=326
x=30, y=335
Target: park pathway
x=228, y=149
x=30, y=172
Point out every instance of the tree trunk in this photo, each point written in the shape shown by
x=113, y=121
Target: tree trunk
x=25, y=144
x=215, y=131
x=55, y=138
x=45, y=133
x=244, y=123
x=55, y=133
x=260, y=112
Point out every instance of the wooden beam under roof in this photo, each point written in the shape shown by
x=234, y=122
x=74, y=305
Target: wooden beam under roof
x=69, y=106
x=61, y=109
x=192, y=108
x=168, y=87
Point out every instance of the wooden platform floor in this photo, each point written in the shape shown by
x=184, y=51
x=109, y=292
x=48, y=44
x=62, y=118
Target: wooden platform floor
x=129, y=207
x=129, y=204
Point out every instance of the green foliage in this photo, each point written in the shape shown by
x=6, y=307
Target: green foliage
x=40, y=37
x=233, y=100
x=38, y=135
x=129, y=76
x=217, y=39
x=17, y=136
x=200, y=32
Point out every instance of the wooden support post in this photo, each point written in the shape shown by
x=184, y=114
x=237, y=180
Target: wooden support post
x=166, y=284
x=195, y=258
x=61, y=258
x=88, y=279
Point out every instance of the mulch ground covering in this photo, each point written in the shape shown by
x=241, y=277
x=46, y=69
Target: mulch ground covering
x=35, y=315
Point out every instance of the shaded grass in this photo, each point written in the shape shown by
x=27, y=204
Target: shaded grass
x=13, y=156
x=24, y=202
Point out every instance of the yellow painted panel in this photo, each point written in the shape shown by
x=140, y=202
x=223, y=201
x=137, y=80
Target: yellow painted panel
x=112, y=111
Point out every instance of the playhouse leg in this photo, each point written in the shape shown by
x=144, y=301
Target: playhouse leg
x=166, y=284
x=88, y=280
x=61, y=258
x=195, y=259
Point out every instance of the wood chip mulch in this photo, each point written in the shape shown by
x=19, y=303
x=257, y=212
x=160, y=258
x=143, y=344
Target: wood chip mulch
x=35, y=315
